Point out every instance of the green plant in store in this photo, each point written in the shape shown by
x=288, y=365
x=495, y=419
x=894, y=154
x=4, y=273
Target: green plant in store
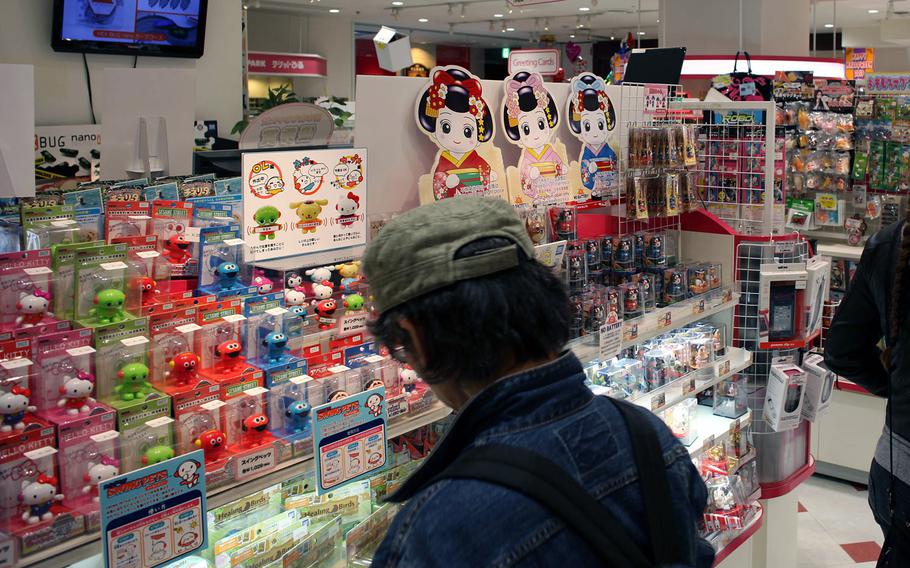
x=335, y=106
x=277, y=97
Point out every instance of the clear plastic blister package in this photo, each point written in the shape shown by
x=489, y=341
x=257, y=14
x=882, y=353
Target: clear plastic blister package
x=64, y=385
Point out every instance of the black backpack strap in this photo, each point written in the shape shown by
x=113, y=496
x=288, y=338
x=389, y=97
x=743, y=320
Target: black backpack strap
x=652, y=478
x=543, y=481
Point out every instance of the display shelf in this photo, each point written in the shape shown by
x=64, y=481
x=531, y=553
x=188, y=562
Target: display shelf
x=781, y=488
x=675, y=392
x=827, y=235
x=745, y=534
x=86, y=546
x=713, y=429
x=837, y=250
x=652, y=324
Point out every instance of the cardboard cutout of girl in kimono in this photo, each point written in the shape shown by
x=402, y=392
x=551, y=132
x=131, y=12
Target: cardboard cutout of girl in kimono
x=530, y=118
x=592, y=119
x=452, y=112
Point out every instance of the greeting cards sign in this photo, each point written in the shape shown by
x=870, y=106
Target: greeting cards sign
x=154, y=515
x=349, y=438
x=303, y=201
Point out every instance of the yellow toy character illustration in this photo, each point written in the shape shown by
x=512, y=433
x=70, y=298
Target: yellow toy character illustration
x=309, y=212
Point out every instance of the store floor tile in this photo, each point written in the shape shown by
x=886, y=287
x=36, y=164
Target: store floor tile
x=863, y=551
x=837, y=529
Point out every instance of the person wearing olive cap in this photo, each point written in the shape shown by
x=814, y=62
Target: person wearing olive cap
x=535, y=470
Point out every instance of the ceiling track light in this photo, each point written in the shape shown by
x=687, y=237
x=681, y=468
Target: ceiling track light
x=464, y=9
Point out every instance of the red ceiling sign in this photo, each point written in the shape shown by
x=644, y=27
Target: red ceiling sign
x=294, y=64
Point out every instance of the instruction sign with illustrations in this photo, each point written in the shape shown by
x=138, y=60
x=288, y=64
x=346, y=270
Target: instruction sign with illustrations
x=154, y=515
x=349, y=438
x=303, y=201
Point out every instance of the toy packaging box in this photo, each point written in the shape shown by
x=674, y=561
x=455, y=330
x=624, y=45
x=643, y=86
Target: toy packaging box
x=818, y=271
x=26, y=286
x=89, y=453
x=31, y=502
x=819, y=386
x=784, y=396
x=781, y=301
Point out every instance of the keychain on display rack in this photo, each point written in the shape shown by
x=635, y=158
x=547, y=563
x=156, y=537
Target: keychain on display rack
x=592, y=120
x=530, y=119
x=303, y=202
x=452, y=112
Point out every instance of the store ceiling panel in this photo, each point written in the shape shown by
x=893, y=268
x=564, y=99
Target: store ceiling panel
x=490, y=18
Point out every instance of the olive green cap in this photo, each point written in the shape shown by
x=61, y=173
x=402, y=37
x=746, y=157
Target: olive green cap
x=415, y=252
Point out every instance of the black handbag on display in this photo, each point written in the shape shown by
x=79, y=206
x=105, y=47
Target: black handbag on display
x=745, y=85
x=548, y=484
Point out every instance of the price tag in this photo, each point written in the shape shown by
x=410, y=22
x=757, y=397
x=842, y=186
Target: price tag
x=255, y=391
x=339, y=369
x=134, y=341
x=658, y=401
x=37, y=271
x=688, y=386
x=300, y=379
x=212, y=405
x=78, y=351
x=139, y=217
x=159, y=422
x=148, y=254
x=11, y=364
x=63, y=222
x=233, y=242
x=698, y=307
x=188, y=328
x=276, y=311
x=40, y=453
x=105, y=436
x=610, y=340
x=119, y=265
x=374, y=358
x=664, y=319
x=234, y=318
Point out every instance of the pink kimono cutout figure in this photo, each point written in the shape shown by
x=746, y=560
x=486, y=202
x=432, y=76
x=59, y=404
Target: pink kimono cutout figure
x=591, y=118
x=530, y=118
x=452, y=112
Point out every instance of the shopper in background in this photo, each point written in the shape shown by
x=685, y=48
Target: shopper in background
x=535, y=470
x=875, y=307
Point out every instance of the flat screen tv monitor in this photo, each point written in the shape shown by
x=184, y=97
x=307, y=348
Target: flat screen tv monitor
x=165, y=28
x=663, y=66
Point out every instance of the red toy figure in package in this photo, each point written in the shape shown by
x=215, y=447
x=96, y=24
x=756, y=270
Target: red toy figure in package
x=255, y=430
x=147, y=288
x=325, y=309
x=229, y=356
x=176, y=249
x=213, y=444
x=183, y=368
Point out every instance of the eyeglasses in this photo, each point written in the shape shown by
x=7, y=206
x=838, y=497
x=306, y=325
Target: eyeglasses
x=399, y=353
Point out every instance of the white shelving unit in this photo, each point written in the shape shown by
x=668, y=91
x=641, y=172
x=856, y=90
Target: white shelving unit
x=89, y=545
x=837, y=250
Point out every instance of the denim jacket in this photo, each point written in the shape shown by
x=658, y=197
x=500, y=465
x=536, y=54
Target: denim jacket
x=549, y=410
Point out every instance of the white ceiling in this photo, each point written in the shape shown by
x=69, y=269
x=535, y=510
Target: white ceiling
x=475, y=22
x=602, y=17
